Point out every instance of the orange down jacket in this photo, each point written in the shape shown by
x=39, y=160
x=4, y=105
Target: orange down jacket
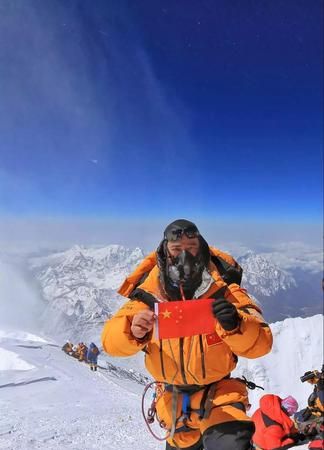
x=272, y=424
x=199, y=360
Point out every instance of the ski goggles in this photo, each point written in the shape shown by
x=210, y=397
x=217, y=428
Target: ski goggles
x=177, y=233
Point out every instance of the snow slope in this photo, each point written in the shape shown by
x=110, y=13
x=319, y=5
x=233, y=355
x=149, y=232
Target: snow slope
x=79, y=286
x=51, y=401
x=297, y=347
x=11, y=361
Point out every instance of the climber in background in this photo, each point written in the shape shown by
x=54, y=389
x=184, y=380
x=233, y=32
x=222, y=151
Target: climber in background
x=92, y=356
x=311, y=419
x=68, y=348
x=274, y=428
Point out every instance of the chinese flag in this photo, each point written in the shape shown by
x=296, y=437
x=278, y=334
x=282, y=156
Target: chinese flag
x=184, y=318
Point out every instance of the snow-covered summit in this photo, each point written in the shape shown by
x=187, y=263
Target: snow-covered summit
x=79, y=285
x=263, y=277
x=114, y=256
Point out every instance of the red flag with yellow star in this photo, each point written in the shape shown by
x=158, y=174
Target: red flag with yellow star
x=184, y=318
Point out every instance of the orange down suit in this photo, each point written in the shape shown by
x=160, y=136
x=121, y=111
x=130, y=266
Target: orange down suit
x=195, y=360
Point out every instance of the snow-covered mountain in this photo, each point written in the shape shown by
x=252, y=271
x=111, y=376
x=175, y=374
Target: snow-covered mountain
x=292, y=291
x=261, y=277
x=79, y=285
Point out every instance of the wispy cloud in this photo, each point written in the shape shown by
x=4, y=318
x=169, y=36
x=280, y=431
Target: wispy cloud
x=20, y=302
x=292, y=255
x=71, y=89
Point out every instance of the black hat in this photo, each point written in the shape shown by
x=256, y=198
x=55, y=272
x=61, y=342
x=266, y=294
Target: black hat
x=180, y=227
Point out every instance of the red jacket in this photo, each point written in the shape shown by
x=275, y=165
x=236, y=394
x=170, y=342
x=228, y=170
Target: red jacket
x=272, y=424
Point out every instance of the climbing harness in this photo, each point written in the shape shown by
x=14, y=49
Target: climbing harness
x=151, y=415
x=203, y=412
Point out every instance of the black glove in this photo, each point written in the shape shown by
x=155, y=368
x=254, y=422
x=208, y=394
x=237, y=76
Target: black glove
x=306, y=414
x=226, y=314
x=301, y=437
x=296, y=437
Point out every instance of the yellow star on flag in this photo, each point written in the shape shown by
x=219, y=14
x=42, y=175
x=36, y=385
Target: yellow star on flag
x=166, y=314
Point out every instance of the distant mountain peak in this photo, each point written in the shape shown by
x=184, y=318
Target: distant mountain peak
x=262, y=277
x=80, y=284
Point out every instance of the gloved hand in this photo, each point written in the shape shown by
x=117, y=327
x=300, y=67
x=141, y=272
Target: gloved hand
x=226, y=314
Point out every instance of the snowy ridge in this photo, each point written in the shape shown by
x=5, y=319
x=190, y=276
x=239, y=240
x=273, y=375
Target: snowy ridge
x=58, y=403
x=11, y=361
x=104, y=268
x=263, y=277
x=79, y=285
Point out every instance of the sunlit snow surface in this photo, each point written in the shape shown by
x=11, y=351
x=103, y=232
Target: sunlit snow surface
x=8, y=336
x=11, y=361
x=51, y=401
x=60, y=404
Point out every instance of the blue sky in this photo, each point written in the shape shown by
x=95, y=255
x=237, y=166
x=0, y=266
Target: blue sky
x=154, y=110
